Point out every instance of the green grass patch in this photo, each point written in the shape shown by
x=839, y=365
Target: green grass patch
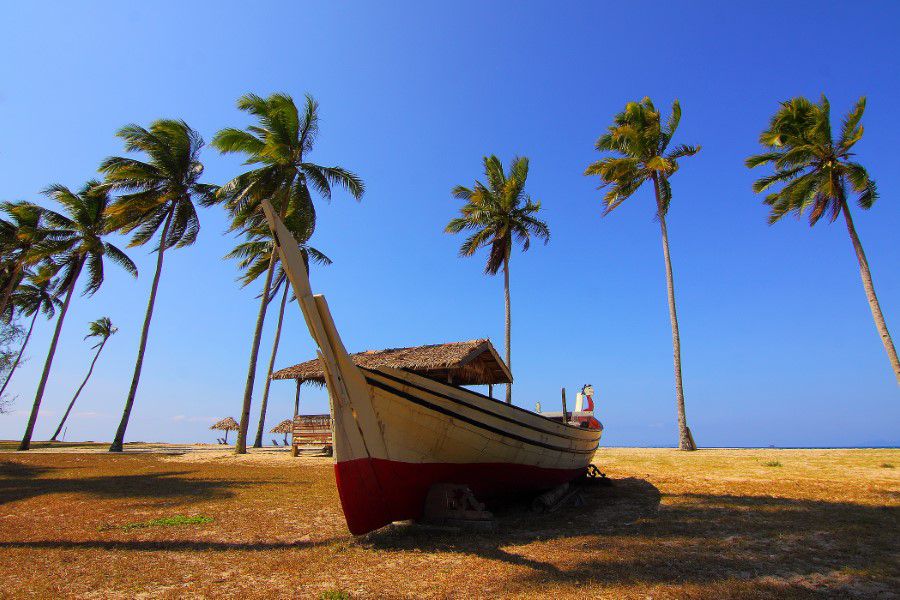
x=163, y=522
x=334, y=595
x=886, y=466
x=772, y=463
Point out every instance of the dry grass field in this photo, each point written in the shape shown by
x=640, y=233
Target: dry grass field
x=77, y=522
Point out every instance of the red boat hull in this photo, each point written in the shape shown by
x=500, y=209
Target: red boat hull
x=375, y=492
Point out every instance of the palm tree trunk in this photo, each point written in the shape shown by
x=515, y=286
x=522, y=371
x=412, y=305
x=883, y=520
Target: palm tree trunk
x=10, y=287
x=685, y=439
x=15, y=364
x=869, y=287
x=29, y=429
x=508, y=326
x=240, y=446
x=265, y=399
x=78, y=391
x=117, y=442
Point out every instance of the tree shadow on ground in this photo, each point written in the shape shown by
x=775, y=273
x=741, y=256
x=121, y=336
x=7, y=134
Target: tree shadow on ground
x=630, y=533
x=19, y=481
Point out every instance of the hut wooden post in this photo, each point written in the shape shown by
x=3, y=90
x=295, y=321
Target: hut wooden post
x=491, y=390
x=226, y=436
x=565, y=414
x=294, y=450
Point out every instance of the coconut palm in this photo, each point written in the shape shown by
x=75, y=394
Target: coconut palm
x=277, y=147
x=158, y=193
x=640, y=145
x=102, y=328
x=31, y=299
x=24, y=240
x=82, y=229
x=816, y=173
x=254, y=255
x=497, y=213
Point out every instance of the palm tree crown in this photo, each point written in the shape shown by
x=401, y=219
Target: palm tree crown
x=642, y=145
x=815, y=169
x=101, y=328
x=498, y=212
x=82, y=230
x=37, y=294
x=161, y=190
x=278, y=145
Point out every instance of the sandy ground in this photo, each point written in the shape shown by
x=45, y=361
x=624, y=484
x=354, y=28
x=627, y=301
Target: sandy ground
x=76, y=521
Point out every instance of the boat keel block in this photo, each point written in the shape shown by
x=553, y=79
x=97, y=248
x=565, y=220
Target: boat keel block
x=455, y=505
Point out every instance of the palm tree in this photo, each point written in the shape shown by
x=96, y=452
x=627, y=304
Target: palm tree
x=101, y=328
x=640, y=144
x=82, y=231
x=816, y=172
x=497, y=213
x=30, y=299
x=24, y=241
x=278, y=148
x=159, y=192
x=255, y=254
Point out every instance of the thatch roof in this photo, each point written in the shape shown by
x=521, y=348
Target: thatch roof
x=226, y=424
x=475, y=362
x=285, y=426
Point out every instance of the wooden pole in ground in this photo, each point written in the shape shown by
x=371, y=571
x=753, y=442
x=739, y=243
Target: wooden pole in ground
x=294, y=451
x=491, y=390
x=565, y=414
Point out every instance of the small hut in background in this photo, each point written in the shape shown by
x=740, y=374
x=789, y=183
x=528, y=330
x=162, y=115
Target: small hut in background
x=227, y=424
x=285, y=427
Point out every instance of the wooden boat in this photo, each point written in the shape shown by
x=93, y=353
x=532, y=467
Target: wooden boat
x=397, y=433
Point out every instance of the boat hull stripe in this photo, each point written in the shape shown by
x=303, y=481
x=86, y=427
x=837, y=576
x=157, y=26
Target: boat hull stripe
x=474, y=422
x=484, y=410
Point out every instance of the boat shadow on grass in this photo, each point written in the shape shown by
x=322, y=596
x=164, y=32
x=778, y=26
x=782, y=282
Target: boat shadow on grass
x=516, y=524
x=631, y=533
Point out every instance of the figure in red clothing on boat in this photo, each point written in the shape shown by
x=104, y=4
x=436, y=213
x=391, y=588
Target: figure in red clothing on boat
x=584, y=402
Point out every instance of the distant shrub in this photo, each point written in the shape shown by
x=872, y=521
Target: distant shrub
x=772, y=463
x=887, y=466
x=334, y=595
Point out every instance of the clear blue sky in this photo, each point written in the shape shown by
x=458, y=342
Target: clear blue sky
x=778, y=341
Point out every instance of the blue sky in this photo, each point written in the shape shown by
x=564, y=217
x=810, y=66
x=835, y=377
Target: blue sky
x=778, y=341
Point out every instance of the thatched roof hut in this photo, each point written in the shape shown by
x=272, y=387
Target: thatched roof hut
x=475, y=362
x=285, y=426
x=226, y=424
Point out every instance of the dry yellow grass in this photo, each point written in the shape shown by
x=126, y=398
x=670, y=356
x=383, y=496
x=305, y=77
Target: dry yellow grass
x=710, y=524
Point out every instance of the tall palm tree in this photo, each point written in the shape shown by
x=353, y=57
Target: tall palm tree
x=158, y=192
x=255, y=254
x=24, y=240
x=30, y=299
x=816, y=171
x=83, y=229
x=497, y=213
x=277, y=148
x=103, y=329
x=640, y=144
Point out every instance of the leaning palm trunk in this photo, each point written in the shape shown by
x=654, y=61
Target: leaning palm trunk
x=869, y=287
x=15, y=364
x=78, y=392
x=685, y=439
x=29, y=429
x=265, y=399
x=240, y=446
x=117, y=442
x=508, y=326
